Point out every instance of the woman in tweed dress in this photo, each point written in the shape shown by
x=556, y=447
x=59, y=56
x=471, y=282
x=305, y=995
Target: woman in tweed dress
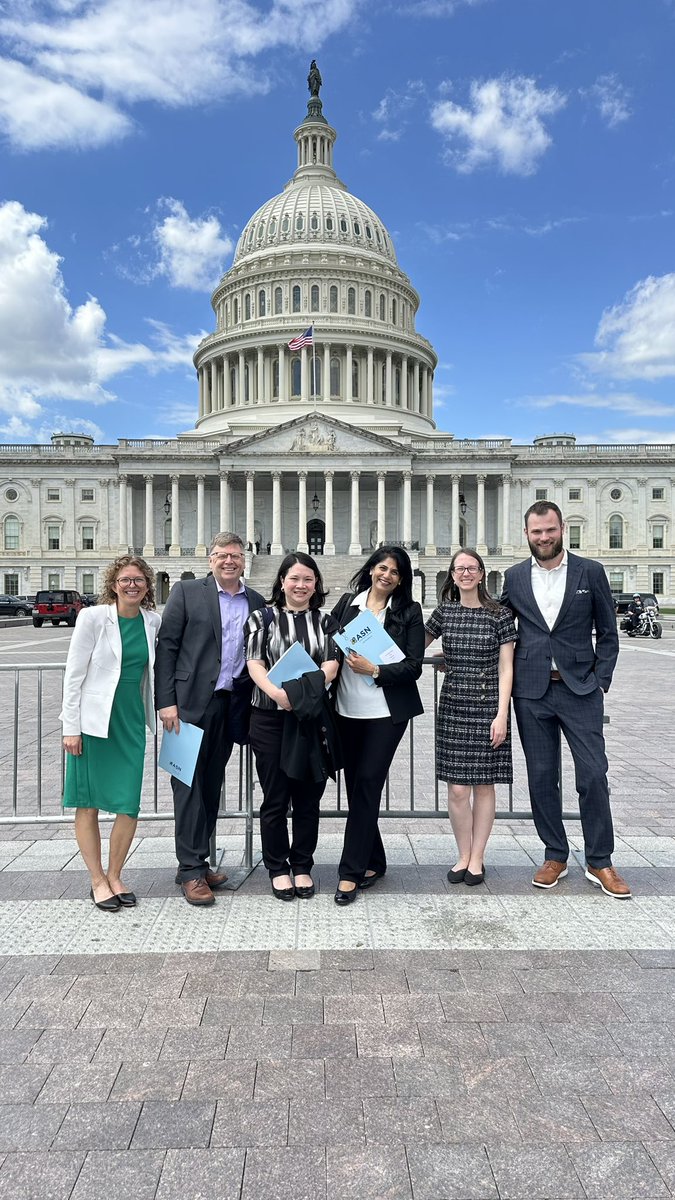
x=473, y=742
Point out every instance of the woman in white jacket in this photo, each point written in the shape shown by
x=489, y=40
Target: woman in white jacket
x=108, y=699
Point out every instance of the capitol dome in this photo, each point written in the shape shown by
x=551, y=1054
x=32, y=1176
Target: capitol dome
x=315, y=256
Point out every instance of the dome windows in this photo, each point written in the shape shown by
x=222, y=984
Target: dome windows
x=394, y=312
x=330, y=224
x=333, y=299
x=314, y=222
x=351, y=301
x=286, y=224
x=273, y=227
x=247, y=307
x=369, y=233
x=262, y=303
x=296, y=298
x=278, y=301
x=357, y=229
x=299, y=223
x=314, y=298
x=296, y=374
x=261, y=231
x=235, y=310
x=383, y=307
x=344, y=225
x=368, y=303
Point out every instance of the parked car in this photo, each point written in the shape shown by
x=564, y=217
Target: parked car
x=57, y=606
x=623, y=599
x=90, y=598
x=15, y=606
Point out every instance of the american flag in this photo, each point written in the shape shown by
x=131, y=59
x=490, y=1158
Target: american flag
x=303, y=339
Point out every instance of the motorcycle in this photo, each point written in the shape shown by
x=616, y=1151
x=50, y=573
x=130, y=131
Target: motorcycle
x=647, y=626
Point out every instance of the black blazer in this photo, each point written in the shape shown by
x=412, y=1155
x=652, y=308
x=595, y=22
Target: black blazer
x=405, y=625
x=587, y=605
x=189, y=647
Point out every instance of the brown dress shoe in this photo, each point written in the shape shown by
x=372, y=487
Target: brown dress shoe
x=197, y=891
x=549, y=873
x=215, y=879
x=610, y=881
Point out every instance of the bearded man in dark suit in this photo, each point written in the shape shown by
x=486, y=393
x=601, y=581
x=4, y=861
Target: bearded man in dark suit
x=559, y=676
x=201, y=678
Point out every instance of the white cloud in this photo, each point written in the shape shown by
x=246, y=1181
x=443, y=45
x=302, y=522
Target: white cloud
x=50, y=351
x=392, y=110
x=636, y=338
x=623, y=402
x=503, y=125
x=191, y=250
x=38, y=113
x=161, y=53
x=639, y=434
x=612, y=99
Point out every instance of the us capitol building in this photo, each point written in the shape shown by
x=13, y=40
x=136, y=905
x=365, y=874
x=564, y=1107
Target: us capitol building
x=330, y=449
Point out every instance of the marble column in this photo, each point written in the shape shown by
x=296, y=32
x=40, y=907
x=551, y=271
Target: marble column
x=277, y=546
x=404, y=381
x=260, y=385
x=149, y=546
x=200, y=548
x=250, y=508
x=325, y=382
x=416, y=386
x=387, y=380
x=200, y=386
x=225, y=505
x=430, y=547
x=283, y=390
x=302, y=511
x=123, y=540
x=214, y=384
x=407, y=507
x=355, y=544
x=241, y=379
x=370, y=396
x=227, y=382
x=454, y=514
x=329, y=544
x=480, y=515
x=174, y=548
x=348, y=375
x=381, y=499
x=507, y=546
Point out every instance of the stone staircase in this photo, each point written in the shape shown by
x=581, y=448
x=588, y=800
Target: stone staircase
x=336, y=571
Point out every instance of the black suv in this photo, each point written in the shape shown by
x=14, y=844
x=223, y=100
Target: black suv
x=15, y=606
x=56, y=606
x=623, y=599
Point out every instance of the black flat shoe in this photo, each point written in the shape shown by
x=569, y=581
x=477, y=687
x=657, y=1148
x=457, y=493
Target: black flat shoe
x=344, y=898
x=126, y=899
x=305, y=893
x=112, y=904
x=457, y=876
x=369, y=880
x=472, y=880
x=283, y=893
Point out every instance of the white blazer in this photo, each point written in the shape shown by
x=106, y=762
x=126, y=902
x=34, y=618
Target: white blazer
x=93, y=669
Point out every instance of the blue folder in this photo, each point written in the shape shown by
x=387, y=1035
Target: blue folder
x=179, y=752
x=293, y=663
x=368, y=637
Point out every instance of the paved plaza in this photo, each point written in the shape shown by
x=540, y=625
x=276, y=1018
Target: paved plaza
x=427, y=1043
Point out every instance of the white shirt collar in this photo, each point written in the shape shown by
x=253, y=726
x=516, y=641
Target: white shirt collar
x=550, y=570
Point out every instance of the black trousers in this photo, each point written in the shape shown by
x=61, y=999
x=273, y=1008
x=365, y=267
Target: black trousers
x=539, y=726
x=369, y=747
x=279, y=855
x=196, y=807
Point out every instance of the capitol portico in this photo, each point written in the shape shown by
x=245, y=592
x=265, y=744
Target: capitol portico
x=331, y=448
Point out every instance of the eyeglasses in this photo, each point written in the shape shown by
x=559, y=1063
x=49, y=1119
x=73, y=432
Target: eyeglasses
x=466, y=570
x=226, y=557
x=137, y=580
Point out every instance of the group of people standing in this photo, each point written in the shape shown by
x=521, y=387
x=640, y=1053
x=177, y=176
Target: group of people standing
x=209, y=661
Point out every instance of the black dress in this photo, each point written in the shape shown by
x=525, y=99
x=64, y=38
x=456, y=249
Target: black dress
x=470, y=694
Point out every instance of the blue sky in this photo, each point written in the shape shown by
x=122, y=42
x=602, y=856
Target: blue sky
x=521, y=153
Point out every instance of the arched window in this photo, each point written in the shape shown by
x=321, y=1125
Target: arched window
x=295, y=377
x=236, y=310
x=315, y=376
x=369, y=233
x=330, y=224
x=344, y=227
x=299, y=223
x=377, y=235
x=335, y=376
x=278, y=301
x=273, y=227
x=314, y=297
x=351, y=301
x=314, y=222
x=333, y=299
x=262, y=303
x=12, y=531
x=368, y=303
x=247, y=307
x=357, y=229
x=296, y=298
x=275, y=379
x=394, y=312
x=286, y=224
x=616, y=532
x=383, y=306
x=355, y=378
x=261, y=231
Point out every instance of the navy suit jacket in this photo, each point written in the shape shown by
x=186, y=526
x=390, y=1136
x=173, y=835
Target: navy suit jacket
x=587, y=605
x=189, y=647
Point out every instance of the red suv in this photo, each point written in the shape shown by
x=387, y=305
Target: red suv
x=56, y=606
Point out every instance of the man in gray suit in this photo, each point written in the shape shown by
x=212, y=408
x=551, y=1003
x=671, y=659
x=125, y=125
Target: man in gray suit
x=201, y=678
x=559, y=678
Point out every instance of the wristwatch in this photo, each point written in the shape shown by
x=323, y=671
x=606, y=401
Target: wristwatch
x=376, y=673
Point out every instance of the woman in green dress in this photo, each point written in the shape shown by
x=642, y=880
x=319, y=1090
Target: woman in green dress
x=108, y=699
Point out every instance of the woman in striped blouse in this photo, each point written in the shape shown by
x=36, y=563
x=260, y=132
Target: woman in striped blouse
x=293, y=615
